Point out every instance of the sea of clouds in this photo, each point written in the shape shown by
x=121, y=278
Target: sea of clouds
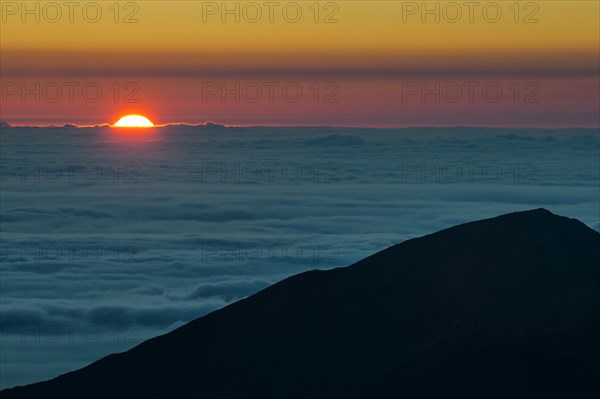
x=109, y=238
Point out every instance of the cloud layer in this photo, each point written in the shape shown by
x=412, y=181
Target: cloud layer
x=110, y=239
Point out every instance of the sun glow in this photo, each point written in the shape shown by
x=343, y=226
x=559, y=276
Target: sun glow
x=134, y=121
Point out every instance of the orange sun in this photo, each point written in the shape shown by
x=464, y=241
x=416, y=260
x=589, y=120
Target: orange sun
x=134, y=121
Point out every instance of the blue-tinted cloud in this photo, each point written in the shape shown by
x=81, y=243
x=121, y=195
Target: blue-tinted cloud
x=119, y=234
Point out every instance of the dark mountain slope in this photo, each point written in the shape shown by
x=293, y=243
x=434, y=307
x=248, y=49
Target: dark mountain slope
x=507, y=307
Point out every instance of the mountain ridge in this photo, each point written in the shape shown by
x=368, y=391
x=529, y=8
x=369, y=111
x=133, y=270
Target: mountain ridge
x=490, y=308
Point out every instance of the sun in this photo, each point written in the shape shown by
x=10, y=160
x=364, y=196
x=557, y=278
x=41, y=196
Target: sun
x=134, y=121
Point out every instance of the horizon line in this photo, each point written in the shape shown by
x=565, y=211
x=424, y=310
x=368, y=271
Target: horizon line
x=6, y=124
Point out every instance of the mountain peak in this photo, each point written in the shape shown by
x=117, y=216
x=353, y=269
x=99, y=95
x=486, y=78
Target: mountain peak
x=538, y=211
x=541, y=220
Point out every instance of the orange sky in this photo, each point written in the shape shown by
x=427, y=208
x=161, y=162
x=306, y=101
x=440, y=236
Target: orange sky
x=166, y=54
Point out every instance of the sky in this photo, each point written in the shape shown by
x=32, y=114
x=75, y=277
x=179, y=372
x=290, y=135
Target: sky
x=344, y=63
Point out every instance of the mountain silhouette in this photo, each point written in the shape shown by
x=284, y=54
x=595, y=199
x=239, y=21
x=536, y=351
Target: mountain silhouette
x=507, y=307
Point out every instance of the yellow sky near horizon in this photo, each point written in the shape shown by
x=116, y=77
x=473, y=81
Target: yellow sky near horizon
x=379, y=27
